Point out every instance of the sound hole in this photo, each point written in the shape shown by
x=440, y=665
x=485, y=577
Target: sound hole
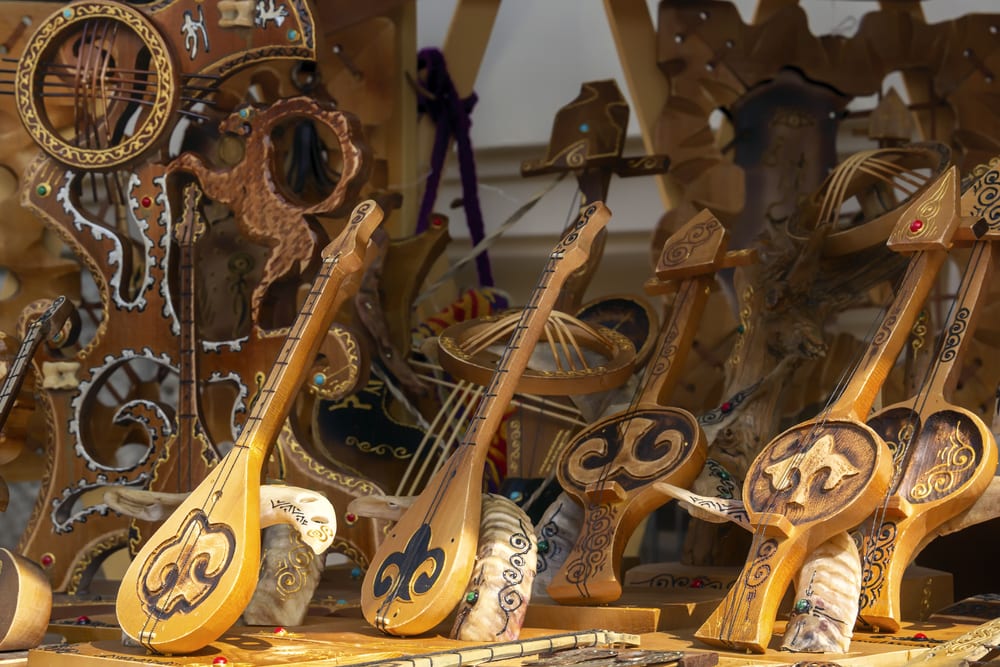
x=100, y=75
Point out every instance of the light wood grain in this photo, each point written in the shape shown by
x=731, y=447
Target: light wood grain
x=27, y=601
x=193, y=578
x=826, y=475
x=422, y=567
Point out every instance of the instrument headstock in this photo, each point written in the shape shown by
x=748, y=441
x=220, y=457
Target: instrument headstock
x=348, y=249
x=930, y=221
x=574, y=247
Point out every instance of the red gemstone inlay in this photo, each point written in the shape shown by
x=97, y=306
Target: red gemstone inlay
x=220, y=660
x=916, y=226
x=920, y=635
x=47, y=560
x=698, y=583
x=280, y=631
x=146, y=202
x=82, y=620
x=351, y=518
x=437, y=220
x=727, y=406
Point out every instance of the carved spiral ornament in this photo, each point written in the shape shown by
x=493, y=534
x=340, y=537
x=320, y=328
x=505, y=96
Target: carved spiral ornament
x=116, y=70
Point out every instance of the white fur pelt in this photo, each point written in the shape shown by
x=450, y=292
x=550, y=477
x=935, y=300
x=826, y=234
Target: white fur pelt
x=556, y=534
x=826, y=599
x=498, y=593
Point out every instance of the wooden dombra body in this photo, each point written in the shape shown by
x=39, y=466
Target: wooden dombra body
x=195, y=575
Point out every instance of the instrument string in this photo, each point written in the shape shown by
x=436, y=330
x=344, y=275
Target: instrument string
x=486, y=406
x=540, y=404
x=442, y=426
x=832, y=201
x=133, y=86
x=191, y=434
x=910, y=436
x=891, y=173
x=102, y=55
x=567, y=355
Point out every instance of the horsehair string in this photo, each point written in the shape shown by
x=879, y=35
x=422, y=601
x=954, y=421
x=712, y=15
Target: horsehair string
x=838, y=182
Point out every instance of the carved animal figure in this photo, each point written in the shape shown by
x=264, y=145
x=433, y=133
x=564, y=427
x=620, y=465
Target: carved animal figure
x=265, y=211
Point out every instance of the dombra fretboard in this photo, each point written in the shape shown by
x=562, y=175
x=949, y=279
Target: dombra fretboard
x=195, y=575
x=421, y=569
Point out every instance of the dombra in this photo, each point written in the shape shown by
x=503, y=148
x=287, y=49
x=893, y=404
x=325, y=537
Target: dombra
x=420, y=570
x=195, y=575
x=826, y=475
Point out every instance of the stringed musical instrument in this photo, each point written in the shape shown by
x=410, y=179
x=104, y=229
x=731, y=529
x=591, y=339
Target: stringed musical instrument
x=422, y=567
x=50, y=324
x=132, y=71
x=194, y=576
x=188, y=454
x=100, y=86
x=944, y=455
x=611, y=467
x=827, y=474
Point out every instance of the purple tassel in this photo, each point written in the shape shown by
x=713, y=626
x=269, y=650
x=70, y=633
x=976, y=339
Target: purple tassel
x=451, y=116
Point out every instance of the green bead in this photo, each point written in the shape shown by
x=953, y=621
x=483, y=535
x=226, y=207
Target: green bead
x=723, y=475
x=471, y=597
x=802, y=606
x=543, y=546
x=741, y=329
x=293, y=35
